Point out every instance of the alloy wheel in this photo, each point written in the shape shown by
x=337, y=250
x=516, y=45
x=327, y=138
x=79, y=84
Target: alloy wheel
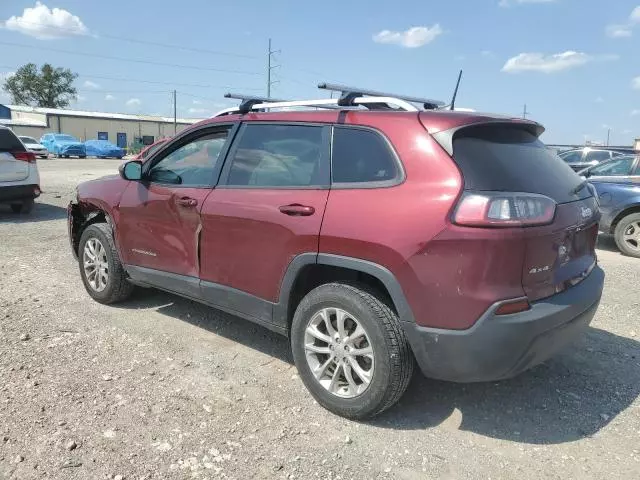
x=631, y=236
x=339, y=352
x=96, y=265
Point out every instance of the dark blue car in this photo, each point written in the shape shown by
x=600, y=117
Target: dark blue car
x=618, y=185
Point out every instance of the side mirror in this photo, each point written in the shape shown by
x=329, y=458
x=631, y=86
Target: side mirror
x=131, y=170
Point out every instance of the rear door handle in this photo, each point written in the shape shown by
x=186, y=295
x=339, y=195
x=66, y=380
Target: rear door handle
x=187, y=202
x=297, y=210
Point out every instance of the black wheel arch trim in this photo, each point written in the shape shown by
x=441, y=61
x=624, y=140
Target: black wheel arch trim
x=281, y=309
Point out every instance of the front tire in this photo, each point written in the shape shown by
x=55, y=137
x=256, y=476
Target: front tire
x=102, y=274
x=627, y=235
x=350, y=350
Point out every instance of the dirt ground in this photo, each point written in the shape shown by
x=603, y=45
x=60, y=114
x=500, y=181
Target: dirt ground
x=163, y=388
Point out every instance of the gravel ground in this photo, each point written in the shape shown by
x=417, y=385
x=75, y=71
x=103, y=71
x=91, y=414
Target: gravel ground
x=163, y=388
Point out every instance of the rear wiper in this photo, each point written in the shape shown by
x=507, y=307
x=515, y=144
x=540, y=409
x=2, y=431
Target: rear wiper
x=582, y=184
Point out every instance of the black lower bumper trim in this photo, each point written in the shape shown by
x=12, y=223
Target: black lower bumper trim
x=499, y=347
x=18, y=192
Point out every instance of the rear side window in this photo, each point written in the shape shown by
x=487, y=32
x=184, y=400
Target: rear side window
x=9, y=142
x=361, y=156
x=598, y=155
x=499, y=158
x=280, y=156
x=572, y=157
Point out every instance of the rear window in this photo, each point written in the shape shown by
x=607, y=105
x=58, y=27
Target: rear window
x=499, y=158
x=280, y=156
x=9, y=142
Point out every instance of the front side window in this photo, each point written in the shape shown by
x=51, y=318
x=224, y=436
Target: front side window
x=614, y=168
x=279, y=156
x=192, y=164
x=151, y=149
x=361, y=156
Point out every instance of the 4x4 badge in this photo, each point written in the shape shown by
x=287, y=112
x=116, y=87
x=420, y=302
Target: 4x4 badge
x=586, y=212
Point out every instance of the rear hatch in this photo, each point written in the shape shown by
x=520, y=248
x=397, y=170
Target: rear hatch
x=560, y=242
x=11, y=168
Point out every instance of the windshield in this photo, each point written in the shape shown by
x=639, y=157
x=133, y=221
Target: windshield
x=619, y=167
x=28, y=140
x=67, y=138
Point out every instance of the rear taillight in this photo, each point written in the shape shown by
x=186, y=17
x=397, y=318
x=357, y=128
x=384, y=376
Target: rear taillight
x=504, y=209
x=25, y=156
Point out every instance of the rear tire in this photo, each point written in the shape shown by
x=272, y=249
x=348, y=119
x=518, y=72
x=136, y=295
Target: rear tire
x=23, y=207
x=627, y=235
x=376, y=379
x=83, y=156
x=108, y=283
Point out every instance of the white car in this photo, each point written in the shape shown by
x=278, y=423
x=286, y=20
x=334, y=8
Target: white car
x=19, y=177
x=35, y=147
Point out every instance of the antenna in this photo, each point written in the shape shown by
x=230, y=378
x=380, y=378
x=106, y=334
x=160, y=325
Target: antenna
x=455, y=92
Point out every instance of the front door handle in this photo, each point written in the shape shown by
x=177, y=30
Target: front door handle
x=187, y=202
x=297, y=210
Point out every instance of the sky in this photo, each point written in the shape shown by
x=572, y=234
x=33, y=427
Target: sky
x=574, y=63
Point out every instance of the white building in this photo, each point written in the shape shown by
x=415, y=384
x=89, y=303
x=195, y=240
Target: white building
x=119, y=128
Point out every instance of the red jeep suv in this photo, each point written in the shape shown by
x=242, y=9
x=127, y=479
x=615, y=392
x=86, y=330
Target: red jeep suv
x=374, y=233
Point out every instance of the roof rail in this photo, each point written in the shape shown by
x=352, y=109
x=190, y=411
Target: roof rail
x=348, y=94
x=327, y=103
x=248, y=101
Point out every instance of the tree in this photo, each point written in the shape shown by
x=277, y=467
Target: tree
x=50, y=87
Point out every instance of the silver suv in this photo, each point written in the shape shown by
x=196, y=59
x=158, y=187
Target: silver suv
x=19, y=177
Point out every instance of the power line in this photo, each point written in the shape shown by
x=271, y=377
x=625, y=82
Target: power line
x=151, y=82
x=209, y=99
x=105, y=90
x=134, y=60
x=147, y=42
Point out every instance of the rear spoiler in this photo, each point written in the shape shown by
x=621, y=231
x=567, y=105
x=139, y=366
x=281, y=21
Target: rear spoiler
x=445, y=137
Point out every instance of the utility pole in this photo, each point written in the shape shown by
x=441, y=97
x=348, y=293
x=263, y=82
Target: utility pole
x=525, y=112
x=608, y=135
x=270, y=67
x=175, y=113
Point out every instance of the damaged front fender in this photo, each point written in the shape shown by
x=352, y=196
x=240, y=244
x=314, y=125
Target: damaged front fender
x=75, y=219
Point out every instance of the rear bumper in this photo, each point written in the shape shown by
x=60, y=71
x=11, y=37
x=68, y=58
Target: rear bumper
x=19, y=192
x=499, y=347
